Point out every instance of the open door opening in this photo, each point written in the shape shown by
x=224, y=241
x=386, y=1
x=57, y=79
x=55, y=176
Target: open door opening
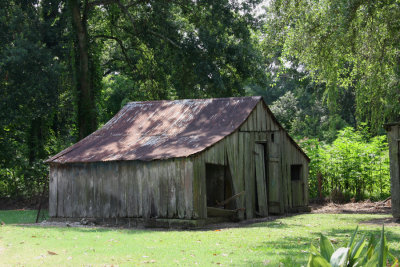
x=219, y=193
x=261, y=197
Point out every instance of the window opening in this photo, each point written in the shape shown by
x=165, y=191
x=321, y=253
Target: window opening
x=295, y=172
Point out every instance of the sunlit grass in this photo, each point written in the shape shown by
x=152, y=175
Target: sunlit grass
x=284, y=241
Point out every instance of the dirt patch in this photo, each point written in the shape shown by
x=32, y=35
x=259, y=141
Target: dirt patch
x=364, y=207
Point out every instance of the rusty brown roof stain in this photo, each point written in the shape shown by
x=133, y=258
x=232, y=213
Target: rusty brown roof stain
x=161, y=129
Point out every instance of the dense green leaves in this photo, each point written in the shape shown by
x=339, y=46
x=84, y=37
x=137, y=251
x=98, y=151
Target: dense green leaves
x=351, y=45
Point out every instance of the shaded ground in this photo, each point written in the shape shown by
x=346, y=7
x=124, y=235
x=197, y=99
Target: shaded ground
x=367, y=207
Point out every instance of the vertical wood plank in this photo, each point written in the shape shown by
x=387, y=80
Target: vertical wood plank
x=146, y=206
x=171, y=171
x=155, y=188
x=90, y=190
x=97, y=208
x=262, y=116
x=113, y=188
x=53, y=190
x=139, y=179
x=60, y=192
x=249, y=185
x=200, y=174
x=255, y=119
x=188, y=179
x=180, y=182
x=196, y=187
x=123, y=188
x=131, y=189
x=106, y=189
x=163, y=183
x=240, y=173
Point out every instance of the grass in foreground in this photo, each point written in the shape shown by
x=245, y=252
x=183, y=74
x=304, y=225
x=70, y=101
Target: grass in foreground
x=282, y=242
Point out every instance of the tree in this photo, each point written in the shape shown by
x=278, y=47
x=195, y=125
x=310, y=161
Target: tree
x=31, y=82
x=167, y=49
x=348, y=45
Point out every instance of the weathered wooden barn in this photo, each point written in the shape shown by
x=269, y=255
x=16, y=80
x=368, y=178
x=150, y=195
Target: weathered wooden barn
x=182, y=159
x=393, y=134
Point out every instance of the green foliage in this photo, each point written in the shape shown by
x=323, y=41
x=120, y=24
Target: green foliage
x=355, y=254
x=354, y=165
x=34, y=107
x=344, y=45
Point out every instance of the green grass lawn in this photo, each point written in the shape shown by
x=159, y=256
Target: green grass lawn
x=282, y=242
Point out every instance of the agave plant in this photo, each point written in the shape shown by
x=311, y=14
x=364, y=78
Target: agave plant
x=375, y=254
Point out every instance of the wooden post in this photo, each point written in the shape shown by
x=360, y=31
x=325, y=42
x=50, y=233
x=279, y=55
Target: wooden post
x=41, y=198
x=393, y=134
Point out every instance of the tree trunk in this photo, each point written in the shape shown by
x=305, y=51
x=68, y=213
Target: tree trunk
x=87, y=119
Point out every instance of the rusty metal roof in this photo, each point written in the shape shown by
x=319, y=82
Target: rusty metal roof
x=161, y=129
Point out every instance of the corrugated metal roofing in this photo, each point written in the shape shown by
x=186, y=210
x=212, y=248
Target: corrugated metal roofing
x=161, y=129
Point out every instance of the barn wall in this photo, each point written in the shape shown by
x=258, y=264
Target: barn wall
x=238, y=151
x=161, y=189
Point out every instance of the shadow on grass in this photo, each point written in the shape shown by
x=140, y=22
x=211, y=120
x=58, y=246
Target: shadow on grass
x=21, y=216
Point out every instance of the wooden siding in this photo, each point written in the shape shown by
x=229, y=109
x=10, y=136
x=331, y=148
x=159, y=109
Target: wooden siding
x=158, y=189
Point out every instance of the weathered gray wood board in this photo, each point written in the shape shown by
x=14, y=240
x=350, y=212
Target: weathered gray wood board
x=258, y=156
x=393, y=133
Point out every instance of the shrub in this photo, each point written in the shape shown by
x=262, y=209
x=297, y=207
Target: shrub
x=354, y=165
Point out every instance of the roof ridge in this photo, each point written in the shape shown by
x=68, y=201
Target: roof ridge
x=192, y=99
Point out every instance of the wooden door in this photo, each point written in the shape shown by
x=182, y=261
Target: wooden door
x=274, y=178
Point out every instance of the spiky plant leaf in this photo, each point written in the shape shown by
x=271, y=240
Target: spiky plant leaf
x=356, y=251
x=326, y=247
x=317, y=261
x=340, y=257
x=352, y=238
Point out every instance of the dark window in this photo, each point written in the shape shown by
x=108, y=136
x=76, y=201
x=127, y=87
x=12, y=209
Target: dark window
x=272, y=137
x=295, y=172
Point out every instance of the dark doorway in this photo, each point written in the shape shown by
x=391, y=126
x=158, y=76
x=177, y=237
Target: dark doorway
x=261, y=198
x=219, y=186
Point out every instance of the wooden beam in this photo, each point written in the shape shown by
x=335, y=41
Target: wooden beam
x=226, y=201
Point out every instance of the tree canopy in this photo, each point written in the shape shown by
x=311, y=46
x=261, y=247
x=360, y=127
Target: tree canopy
x=344, y=45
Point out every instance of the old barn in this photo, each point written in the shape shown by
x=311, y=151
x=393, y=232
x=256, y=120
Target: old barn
x=183, y=159
x=393, y=134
